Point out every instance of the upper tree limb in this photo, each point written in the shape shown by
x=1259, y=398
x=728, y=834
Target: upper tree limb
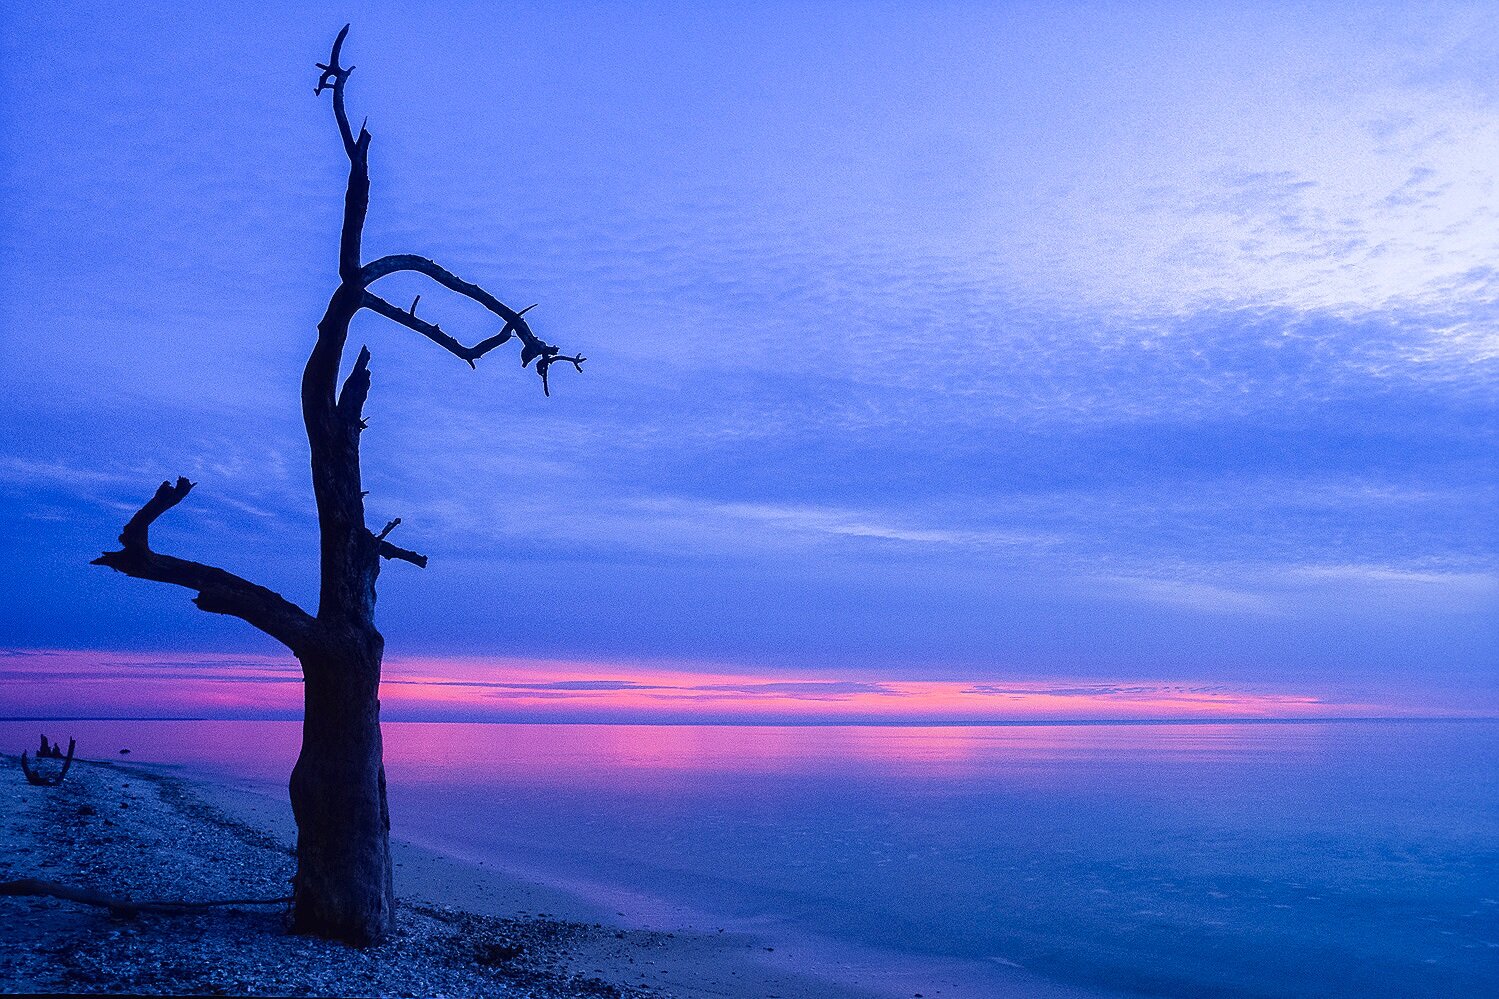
x=219, y=591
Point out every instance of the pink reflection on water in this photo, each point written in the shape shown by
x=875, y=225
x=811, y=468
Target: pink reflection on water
x=609, y=756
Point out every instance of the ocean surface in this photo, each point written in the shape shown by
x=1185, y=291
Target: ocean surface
x=1298, y=859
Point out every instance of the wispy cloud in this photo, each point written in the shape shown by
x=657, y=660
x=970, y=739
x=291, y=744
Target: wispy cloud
x=43, y=683
x=1288, y=589
x=1193, y=595
x=831, y=522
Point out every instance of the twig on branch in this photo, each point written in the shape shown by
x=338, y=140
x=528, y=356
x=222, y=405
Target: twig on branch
x=387, y=550
x=118, y=904
x=333, y=78
x=543, y=365
x=431, y=331
x=332, y=73
x=532, y=346
x=219, y=592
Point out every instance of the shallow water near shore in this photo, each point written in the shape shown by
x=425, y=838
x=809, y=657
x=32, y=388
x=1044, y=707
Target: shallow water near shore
x=1348, y=858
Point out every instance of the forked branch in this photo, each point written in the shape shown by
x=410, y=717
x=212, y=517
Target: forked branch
x=387, y=550
x=219, y=592
x=532, y=346
x=333, y=78
x=357, y=198
x=357, y=278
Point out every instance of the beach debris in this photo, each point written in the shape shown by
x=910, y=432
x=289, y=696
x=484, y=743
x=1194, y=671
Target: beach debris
x=493, y=952
x=39, y=779
x=49, y=752
x=118, y=904
x=173, y=844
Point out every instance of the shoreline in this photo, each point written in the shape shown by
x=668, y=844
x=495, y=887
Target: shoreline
x=214, y=839
x=701, y=956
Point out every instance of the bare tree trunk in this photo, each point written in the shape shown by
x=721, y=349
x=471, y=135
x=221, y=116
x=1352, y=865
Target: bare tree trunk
x=344, y=887
x=343, y=884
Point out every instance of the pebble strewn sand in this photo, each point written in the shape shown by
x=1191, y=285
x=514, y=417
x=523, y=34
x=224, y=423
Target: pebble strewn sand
x=126, y=832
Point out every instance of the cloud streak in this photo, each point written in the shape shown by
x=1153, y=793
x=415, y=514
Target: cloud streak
x=104, y=684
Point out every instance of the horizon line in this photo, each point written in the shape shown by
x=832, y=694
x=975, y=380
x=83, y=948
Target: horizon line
x=808, y=723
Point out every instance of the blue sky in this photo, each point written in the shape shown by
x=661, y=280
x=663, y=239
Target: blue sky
x=973, y=342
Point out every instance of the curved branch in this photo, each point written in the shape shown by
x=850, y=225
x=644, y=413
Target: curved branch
x=545, y=364
x=532, y=346
x=333, y=78
x=432, y=331
x=219, y=592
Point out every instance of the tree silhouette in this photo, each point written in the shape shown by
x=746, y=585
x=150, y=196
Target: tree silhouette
x=343, y=886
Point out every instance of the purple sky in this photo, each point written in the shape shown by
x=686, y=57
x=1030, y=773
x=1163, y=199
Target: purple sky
x=965, y=344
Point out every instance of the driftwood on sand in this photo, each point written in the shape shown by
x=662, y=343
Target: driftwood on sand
x=40, y=779
x=118, y=904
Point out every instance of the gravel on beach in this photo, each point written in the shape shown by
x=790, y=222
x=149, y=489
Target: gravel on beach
x=124, y=831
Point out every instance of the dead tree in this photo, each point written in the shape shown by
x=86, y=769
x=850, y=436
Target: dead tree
x=343, y=886
x=40, y=779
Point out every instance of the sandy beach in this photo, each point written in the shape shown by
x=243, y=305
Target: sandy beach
x=466, y=928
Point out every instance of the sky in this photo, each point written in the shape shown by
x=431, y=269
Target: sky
x=1078, y=349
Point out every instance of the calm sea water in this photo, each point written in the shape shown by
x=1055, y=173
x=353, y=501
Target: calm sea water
x=1177, y=860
